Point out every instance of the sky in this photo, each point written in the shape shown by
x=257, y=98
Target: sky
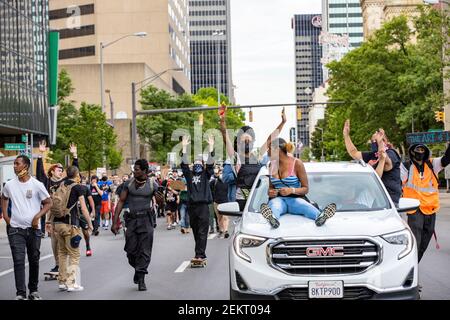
x=263, y=64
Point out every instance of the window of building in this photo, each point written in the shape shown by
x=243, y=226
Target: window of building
x=77, y=52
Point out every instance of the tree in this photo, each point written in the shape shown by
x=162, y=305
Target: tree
x=388, y=82
x=87, y=128
x=95, y=139
x=156, y=130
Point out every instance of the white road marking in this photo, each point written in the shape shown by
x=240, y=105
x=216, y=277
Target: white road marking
x=212, y=236
x=26, y=264
x=183, y=266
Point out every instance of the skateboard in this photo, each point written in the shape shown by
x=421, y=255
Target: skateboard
x=198, y=263
x=51, y=276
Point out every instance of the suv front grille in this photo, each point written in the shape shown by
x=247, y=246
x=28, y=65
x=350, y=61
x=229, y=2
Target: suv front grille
x=350, y=293
x=355, y=256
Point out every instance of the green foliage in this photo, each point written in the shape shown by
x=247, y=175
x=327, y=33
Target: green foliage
x=87, y=128
x=94, y=137
x=394, y=78
x=305, y=154
x=156, y=130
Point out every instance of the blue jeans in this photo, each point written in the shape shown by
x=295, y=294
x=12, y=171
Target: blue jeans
x=297, y=206
x=184, y=222
x=25, y=241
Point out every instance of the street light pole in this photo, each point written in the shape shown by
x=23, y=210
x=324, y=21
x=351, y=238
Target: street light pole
x=134, y=146
x=218, y=33
x=101, y=77
x=322, y=158
x=103, y=46
x=133, y=122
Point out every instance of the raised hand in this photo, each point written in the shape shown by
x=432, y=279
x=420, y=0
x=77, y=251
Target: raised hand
x=346, y=130
x=185, y=141
x=283, y=116
x=211, y=140
x=42, y=146
x=73, y=149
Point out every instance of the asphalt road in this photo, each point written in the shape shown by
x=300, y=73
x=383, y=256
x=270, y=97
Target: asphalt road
x=107, y=276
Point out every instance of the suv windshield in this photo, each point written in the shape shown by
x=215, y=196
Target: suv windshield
x=350, y=191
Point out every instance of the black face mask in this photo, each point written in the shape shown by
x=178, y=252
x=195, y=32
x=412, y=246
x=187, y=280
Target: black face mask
x=419, y=156
x=248, y=146
x=374, y=147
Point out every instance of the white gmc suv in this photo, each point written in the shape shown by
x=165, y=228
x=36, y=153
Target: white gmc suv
x=366, y=251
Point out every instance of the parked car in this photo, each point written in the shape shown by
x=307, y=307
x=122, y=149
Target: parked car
x=366, y=251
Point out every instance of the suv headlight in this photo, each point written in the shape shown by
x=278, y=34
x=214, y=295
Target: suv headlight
x=246, y=241
x=404, y=238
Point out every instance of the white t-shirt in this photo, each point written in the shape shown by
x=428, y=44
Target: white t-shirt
x=26, y=198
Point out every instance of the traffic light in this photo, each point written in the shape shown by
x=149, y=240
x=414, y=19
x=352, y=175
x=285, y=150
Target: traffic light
x=439, y=116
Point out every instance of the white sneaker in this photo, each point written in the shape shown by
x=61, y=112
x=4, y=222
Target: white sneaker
x=75, y=289
x=62, y=287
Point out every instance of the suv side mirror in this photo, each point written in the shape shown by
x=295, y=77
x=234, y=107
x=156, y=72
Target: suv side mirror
x=408, y=204
x=229, y=209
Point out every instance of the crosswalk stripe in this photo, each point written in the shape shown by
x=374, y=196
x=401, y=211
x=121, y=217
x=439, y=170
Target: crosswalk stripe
x=26, y=264
x=183, y=266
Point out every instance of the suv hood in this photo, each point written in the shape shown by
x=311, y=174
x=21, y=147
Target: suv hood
x=343, y=224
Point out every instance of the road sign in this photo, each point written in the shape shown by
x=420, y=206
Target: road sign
x=428, y=137
x=15, y=146
x=435, y=130
x=24, y=138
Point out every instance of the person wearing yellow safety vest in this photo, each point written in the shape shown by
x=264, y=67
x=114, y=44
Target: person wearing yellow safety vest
x=420, y=181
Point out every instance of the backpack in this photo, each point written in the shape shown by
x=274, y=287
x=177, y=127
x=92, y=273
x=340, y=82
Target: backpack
x=60, y=200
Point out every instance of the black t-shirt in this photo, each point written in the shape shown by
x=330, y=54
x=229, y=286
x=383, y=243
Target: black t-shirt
x=87, y=194
x=95, y=195
x=76, y=192
x=219, y=190
x=391, y=179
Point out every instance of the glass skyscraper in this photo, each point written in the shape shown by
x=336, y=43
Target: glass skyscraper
x=23, y=66
x=342, y=18
x=309, y=75
x=210, y=45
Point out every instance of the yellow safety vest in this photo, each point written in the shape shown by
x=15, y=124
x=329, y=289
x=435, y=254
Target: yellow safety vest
x=424, y=189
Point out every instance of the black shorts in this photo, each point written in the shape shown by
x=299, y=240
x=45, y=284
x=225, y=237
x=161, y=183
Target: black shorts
x=83, y=223
x=171, y=206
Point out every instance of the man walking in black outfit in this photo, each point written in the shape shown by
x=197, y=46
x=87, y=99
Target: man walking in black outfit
x=140, y=221
x=199, y=195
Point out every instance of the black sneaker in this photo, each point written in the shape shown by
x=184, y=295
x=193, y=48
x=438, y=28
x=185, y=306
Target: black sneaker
x=55, y=269
x=326, y=214
x=267, y=213
x=34, y=296
x=136, y=278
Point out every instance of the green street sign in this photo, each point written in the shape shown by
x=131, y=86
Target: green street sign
x=15, y=146
x=24, y=138
x=435, y=130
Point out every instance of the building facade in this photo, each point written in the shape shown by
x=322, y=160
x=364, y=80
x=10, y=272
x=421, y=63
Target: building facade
x=86, y=24
x=309, y=74
x=23, y=65
x=210, y=44
x=342, y=29
x=376, y=12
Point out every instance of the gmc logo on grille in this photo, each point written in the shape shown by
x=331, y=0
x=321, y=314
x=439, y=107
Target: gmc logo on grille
x=328, y=251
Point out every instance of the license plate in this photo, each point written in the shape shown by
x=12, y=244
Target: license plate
x=326, y=289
